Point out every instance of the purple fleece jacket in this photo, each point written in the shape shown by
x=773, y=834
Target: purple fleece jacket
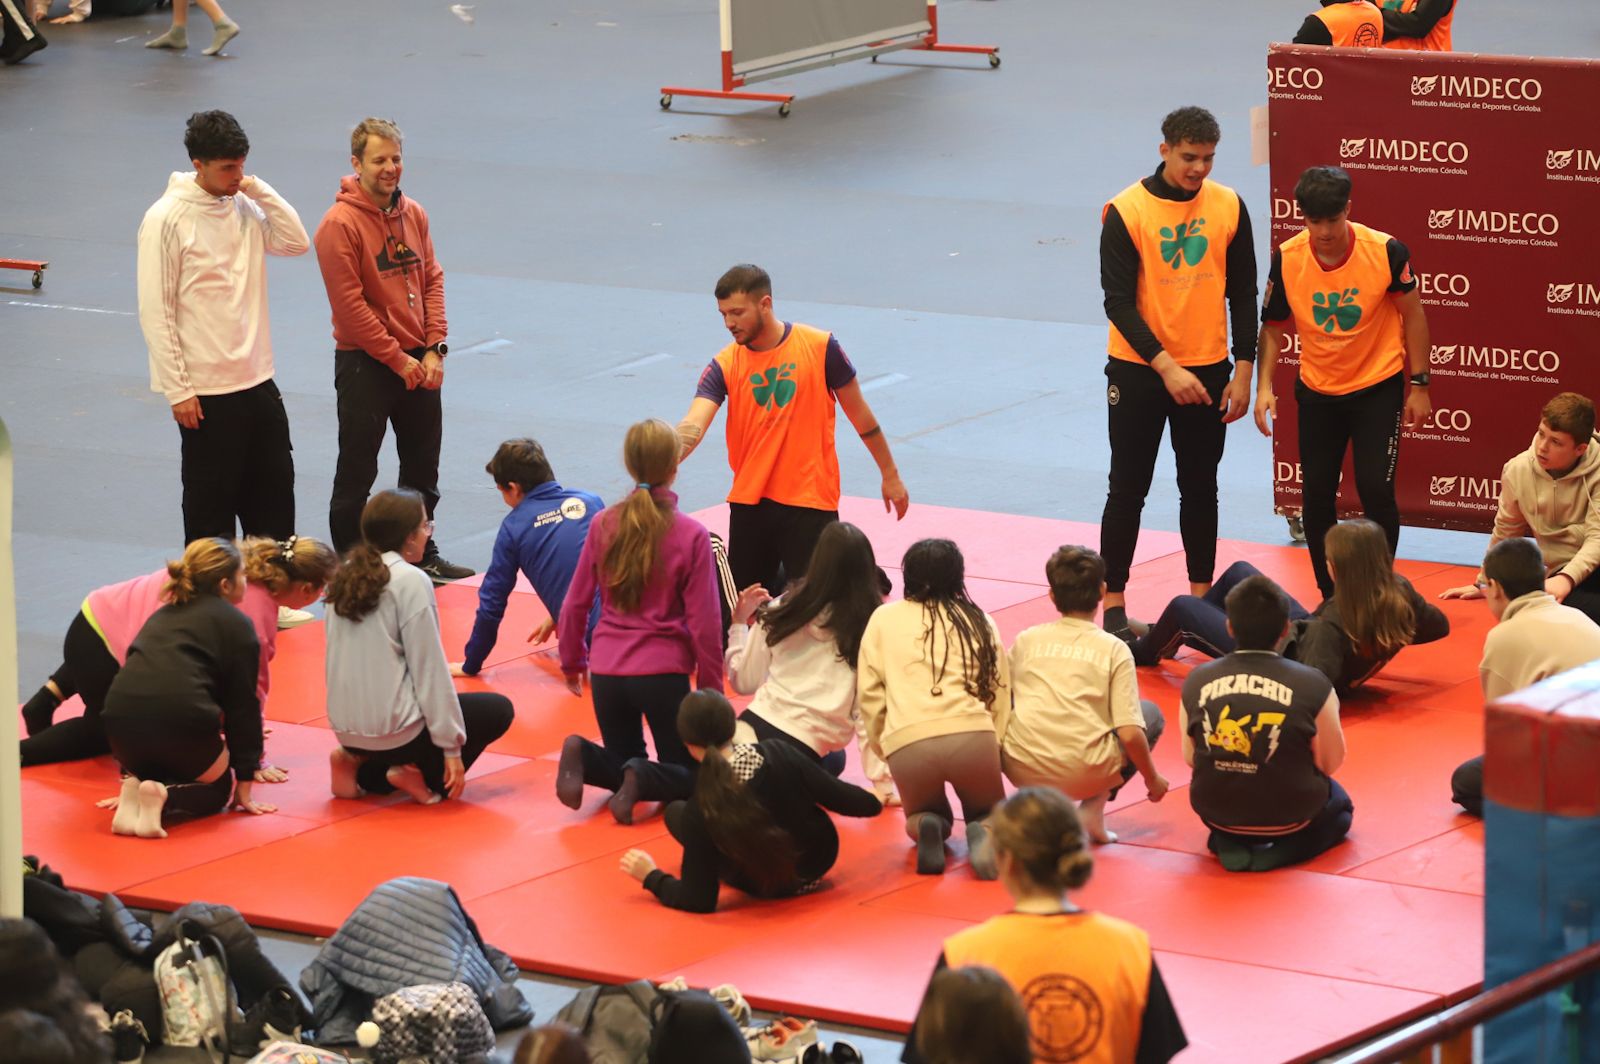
x=676, y=627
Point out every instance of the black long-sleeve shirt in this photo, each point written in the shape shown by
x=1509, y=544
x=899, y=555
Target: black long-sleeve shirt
x=795, y=791
x=191, y=668
x=1119, y=278
x=1418, y=22
x=1321, y=641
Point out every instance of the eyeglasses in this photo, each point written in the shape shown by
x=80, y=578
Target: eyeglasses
x=427, y=526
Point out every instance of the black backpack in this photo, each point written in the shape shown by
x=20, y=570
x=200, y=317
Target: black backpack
x=692, y=1027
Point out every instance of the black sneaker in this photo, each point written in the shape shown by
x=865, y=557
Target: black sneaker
x=128, y=1038
x=275, y=1018
x=24, y=49
x=442, y=572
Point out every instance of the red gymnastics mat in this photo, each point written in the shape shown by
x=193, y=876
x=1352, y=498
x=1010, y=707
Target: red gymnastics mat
x=1384, y=927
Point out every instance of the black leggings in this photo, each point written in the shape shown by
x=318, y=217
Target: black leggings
x=622, y=706
x=1367, y=424
x=87, y=669
x=485, y=716
x=1138, y=410
x=191, y=801
x=833, y=763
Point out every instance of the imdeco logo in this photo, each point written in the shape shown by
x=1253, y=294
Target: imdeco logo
x=1464, y=492
x=1445, y=289
x=1442, y=354
x=1572, y=164
x=1479, y=226
x=1401, y=150
x=1573, y=298
x=1476, y=87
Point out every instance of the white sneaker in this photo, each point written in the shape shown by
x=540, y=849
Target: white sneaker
x=288, y=618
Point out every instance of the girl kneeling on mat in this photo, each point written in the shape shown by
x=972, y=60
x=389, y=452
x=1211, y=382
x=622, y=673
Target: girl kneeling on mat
x=756, y=821
x=391, y=701
x=182, y=715
x=1048, y=942
x=1373, y=615
x=798, y=655
x=289, y=573
x=659, y=621
x=936, y=692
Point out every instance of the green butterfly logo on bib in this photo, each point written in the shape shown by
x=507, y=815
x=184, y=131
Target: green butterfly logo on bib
x=1183, y=243
x=775, y=387
x=1336, y=310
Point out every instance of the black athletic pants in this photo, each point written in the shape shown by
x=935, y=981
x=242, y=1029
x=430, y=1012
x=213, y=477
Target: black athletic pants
x=1138, y=410
x=1367, y=424
x=87, y=669
x=832, y=763
x=239, y=465
x=370, y=397
x=485, y=716
x=1322, y=833
x=622, y=706
x=770, y=543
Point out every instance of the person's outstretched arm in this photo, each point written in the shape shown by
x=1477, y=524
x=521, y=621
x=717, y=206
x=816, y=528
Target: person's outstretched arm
x=855, y=407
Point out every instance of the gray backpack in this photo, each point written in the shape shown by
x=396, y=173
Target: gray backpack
x=616, y=1021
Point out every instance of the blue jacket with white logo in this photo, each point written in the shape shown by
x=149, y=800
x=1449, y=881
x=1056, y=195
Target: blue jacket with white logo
x=542, y=537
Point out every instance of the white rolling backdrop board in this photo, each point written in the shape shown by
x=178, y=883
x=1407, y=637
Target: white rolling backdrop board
x=769, y=38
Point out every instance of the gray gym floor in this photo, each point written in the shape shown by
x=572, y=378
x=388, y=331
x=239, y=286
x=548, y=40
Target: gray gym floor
x=939, y=216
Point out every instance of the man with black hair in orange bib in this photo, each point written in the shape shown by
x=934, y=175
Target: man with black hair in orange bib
x=1418, y=25
x=1343, y=24
x=1353, y=299
x=1173, y=248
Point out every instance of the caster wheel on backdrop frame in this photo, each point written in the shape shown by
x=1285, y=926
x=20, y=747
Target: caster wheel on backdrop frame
x=666, y=103
x=1297, y=531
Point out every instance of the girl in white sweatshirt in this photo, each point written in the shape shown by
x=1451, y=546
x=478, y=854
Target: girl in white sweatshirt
x=798, y=657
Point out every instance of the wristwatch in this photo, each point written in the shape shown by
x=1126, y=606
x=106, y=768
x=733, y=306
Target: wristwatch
x=1418, y=380
x=441, y=349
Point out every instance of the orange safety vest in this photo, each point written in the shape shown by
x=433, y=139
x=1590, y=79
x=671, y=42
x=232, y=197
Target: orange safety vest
x=1083, y=977
x=780, y=422
x=1351, y=334
x=1183, y=274
x=1437, y=39
x=1353, y=24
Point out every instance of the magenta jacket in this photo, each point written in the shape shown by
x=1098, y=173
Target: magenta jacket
x=677, y=626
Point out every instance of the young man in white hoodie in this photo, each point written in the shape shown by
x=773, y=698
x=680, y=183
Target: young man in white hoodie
x=1551, y=492
x=203, y=308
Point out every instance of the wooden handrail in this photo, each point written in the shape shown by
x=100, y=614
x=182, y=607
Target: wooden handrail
x=1442, y=1026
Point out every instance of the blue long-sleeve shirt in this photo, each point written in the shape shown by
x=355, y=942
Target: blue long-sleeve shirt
x=542, y=537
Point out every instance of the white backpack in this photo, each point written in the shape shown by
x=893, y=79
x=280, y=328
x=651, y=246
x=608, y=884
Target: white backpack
x=196, y=993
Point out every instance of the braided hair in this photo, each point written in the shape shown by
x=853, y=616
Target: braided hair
x=935, y=578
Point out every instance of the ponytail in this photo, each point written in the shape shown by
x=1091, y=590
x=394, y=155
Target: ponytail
x=740, y=826
x=387, y=521
x=1040, y=829
x=205, y=564
x=641, y=521
x=276, y=564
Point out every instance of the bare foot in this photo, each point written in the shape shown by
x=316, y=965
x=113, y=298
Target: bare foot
x=1092, y=812
x=342, y=765
x=152, y=799
x=408, y=778
x=126, y=820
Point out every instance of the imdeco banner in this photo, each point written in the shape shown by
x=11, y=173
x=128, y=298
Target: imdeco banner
x=1488, y=169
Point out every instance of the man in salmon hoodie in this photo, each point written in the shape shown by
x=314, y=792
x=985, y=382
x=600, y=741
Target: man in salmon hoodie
x=202, y=276
x=387, y=294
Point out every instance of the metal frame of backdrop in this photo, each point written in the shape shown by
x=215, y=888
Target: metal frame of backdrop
x=10, y=766
x=765, y=39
